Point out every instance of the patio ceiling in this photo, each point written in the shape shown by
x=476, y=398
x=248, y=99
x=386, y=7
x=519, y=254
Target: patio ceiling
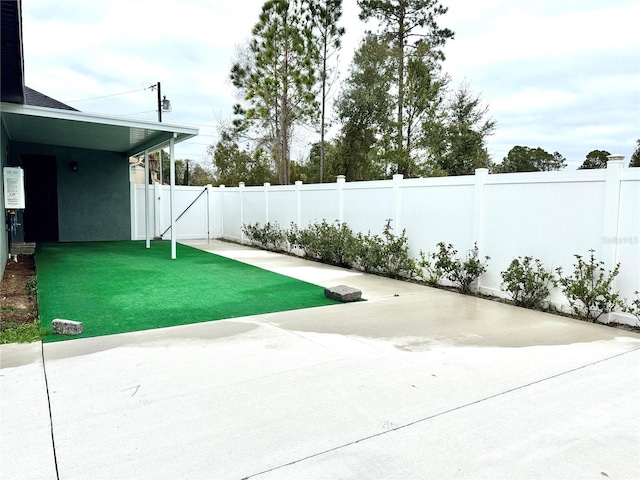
x=50, y=126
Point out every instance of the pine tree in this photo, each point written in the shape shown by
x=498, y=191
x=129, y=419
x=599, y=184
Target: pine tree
x=277, y=77
x=326, y=15
x=405, y=25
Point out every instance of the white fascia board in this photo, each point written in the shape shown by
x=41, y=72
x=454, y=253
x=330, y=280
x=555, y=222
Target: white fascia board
x=71, y=115
x=154, y=146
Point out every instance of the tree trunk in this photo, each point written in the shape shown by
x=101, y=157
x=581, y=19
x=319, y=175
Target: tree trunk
x=401, y=34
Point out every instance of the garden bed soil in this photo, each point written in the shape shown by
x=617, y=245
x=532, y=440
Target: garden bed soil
x=17, y=305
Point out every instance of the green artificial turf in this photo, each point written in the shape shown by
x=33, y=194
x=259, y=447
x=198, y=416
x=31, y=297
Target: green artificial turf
x=117, y=287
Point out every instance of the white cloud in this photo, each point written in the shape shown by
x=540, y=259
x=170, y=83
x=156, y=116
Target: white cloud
x=562, y=75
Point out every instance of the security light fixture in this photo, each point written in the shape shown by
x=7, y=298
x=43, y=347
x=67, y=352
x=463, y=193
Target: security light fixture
x=166, y=104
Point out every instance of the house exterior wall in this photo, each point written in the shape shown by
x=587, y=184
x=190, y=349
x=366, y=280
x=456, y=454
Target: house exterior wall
x=94, y=201
x=4, y=241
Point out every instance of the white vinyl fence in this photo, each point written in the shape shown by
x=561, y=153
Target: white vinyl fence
x=546, y=215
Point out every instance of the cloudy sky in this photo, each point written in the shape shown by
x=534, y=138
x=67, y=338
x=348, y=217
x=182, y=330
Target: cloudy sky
x=563, y=75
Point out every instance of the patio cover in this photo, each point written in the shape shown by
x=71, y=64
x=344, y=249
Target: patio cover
x=26, y=123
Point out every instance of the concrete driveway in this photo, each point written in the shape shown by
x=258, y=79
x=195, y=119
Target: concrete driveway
x=415, y=383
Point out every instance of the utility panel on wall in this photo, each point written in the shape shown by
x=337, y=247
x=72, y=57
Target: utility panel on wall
x=13, y=188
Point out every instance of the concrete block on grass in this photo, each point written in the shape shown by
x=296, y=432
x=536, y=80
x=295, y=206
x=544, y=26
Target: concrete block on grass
x=67, y=327
x=343, y=293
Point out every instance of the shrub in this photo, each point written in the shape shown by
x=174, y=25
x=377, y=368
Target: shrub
x=427, y=263
x=369, y=253
x=32, y=287
x=462, y=273
x=589, y=288
x=329, y=243
x=387, y=255
x=528, y=282
x=269, y=237
x=634, y=308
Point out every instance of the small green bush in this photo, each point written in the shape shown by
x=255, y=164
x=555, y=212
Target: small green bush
x=589, y=288
x=369, y=253
x=387, y=255
x=269, y=236
x=634, y=307
x=32, y=287
x=432, y=273
x=329, y=243
x=528, y=282
x=445, y=264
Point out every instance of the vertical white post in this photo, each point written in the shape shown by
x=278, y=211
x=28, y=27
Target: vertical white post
x=209, y=209
x=298, y=203
x=610, y=224
x=222, y=211
x=479, y=208
x=266, y=202
x=134, y=209
x=241, y=193
x=157, y=196
x=147, y=234
x=340, y=184
x=481, y=175
x=172, y=174
x=397, y=203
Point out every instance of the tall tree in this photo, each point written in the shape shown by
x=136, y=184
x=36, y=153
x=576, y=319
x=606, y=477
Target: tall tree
x=233, y=164
x=457, y=141
x=595, y=159
x=425, y=91
x=326, y=15
x=200, y=175
x=525, y=159
x=309, y=171
x=405, y=25
x=635, y=157
x=277, y=78
x=363, y=108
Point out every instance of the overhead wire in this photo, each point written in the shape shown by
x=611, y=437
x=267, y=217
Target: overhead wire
x=105, y=96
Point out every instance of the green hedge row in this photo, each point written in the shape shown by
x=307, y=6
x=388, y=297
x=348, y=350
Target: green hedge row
x=589, y=288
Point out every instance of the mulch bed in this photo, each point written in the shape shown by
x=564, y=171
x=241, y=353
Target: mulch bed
x=16, y=305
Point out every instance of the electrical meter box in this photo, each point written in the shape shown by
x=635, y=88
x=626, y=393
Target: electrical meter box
x=13, y=188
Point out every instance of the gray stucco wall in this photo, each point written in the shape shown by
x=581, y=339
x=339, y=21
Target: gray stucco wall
x=94, y=201
x=4, y=243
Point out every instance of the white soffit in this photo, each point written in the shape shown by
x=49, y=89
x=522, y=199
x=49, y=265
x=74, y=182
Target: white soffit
x=67, y=128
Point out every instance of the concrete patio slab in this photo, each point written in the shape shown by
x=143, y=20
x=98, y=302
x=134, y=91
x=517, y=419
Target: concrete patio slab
x=26, y=448
x=415, y=382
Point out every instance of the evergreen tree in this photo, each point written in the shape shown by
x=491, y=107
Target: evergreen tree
x=276, y=78
x=326, y=15
x=364, y=109
x=233, y=164
x=525, y=159
x=406, y=26
x=457, y=142
x=595, y=159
